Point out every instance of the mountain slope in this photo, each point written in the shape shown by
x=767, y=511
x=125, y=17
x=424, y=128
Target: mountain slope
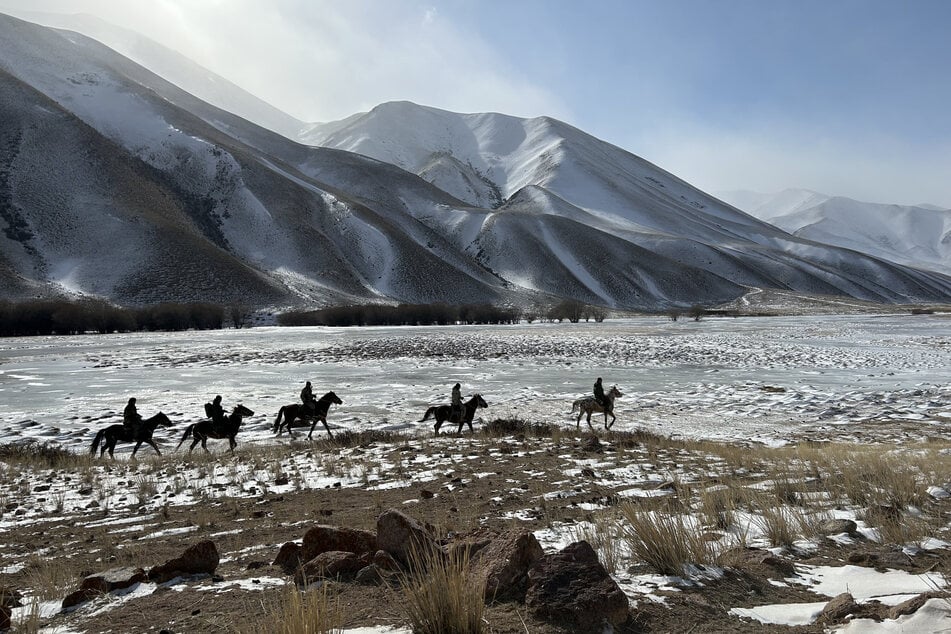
x=551, y=168
x=913, y=235
x=114, y=182
x=174, y=68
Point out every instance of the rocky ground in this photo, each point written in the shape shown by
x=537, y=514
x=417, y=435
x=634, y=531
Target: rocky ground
x=552, y=486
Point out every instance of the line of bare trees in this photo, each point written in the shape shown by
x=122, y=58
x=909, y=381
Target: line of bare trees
x=63, y=317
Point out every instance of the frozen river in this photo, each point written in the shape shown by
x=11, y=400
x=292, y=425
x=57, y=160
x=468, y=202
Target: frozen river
x=726, y=378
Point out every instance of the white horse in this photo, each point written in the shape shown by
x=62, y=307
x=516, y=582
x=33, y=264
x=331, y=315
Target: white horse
x=589, y=405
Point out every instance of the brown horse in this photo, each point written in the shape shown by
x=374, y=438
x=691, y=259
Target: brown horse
x=589, y=406
x=443, y=413
x=142, y=433
x=227, y=428
x=299, y=411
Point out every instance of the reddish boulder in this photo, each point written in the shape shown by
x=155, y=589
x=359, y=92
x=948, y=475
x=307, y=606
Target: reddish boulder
x=572, y=588
x=288, y=558
x=104, y=583
x=837, y=609
x=403, y=537
x=757, y=561
x=504, y=563
x=384, y=561
x=202, y=558
x=322, y=539
x=334, y=564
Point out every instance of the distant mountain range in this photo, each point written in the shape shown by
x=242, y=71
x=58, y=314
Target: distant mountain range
x=117, y=183
x=917, y=235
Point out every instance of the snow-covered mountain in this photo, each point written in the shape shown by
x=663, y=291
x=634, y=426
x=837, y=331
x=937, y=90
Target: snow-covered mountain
x=117, y=183
x=173, y=67
x=917, y=235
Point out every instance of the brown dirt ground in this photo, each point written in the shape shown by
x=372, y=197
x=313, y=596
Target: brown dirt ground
x=461, y=502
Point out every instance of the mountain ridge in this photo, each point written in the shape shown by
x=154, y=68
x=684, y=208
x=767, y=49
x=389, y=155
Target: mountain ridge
x=169, y=198
x=916, y=235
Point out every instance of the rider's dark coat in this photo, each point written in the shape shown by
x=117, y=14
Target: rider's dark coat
x=599, y=393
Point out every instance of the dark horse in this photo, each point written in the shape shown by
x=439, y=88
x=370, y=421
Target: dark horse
x=298, y=411
x=120, y=433
x=589, y=406
x=443, y=413
x=227, y=428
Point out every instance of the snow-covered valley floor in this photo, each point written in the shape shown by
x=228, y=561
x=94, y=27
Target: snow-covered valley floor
x=754, y=432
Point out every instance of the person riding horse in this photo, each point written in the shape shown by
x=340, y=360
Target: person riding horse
x=599, y=392
x=455, y=407
x=131, y=419
x=307, y=396
x=215, y=412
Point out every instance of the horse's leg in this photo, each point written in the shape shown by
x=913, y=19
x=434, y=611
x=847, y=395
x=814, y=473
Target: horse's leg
x=136, y=448
x=613, y=418
x=326, y=426
x=195, y=441
x=232, y=443
x=588, y=420
x=112, y=447
x=153, y=446
x=438, y=424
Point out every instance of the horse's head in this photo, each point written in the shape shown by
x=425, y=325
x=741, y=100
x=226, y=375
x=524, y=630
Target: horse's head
x=241, y=410
x=333, y=398
x=161, y=420
x=614, y=392
x=478, y=400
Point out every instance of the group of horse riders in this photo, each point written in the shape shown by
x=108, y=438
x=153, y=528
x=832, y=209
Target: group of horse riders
x=131, y=418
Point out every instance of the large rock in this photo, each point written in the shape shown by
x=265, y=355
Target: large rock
x=322, y=539
x=103, y=583
x=837, y=609
x=288, y=558
x=504, y=563
x=572, y=588
x=404, y=538
x=914, y=604
x=757, y=561
x=837, y=527
x=202, y=558
x=333, y=564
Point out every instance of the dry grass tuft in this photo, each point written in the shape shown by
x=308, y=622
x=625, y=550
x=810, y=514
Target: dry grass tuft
x=443, y=595
x=665, y=541
x=51, y=578
x=311, y=611
x=605, y=536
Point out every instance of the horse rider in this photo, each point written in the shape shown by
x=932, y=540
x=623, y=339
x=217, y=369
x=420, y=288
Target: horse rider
x=599, y=393
x=215, y=411
x=307, y=396
x=130, y=416
x=455, y=407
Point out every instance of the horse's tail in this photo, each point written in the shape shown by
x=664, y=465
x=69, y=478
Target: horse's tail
x=430, y=411
x=575, y=406
x=188, y=431
x=277, y=421
x=95, y=441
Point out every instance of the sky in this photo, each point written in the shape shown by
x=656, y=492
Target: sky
x=844, y=97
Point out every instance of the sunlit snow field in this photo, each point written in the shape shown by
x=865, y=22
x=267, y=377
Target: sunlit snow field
x=702, y=378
